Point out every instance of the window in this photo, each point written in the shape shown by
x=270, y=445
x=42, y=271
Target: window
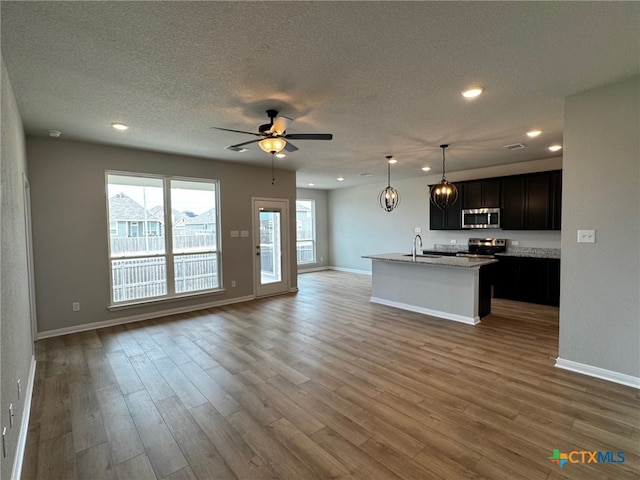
x=147, y=263
x=306, y=231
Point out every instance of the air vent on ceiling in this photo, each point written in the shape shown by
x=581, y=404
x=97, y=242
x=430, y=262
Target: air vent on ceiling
x=515, y=146
x=235, y=148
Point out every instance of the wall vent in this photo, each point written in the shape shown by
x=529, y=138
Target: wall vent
x=515, y=146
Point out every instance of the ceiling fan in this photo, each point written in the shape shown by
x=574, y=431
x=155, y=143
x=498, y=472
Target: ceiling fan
x=273, y=136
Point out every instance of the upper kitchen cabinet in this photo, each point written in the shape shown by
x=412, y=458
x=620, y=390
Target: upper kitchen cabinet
x=447, y=219
x=481, y=193
x=532, y=201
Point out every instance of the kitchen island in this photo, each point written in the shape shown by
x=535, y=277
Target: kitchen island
x=454, y=288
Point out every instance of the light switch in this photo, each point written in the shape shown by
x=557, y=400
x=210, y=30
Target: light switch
x=586, y=236
x=235, y=233
x=244, y=233
x=417, y=230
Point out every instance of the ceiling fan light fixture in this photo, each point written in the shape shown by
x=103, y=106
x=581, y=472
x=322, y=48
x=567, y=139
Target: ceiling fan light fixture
x=444, y=194
x=272, y=144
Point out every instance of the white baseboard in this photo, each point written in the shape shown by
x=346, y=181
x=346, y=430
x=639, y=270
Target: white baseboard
x=137, y=318
x=313, y=269
x=427, y=311
x=351, y=270
x=609, y=375
x=16, y=471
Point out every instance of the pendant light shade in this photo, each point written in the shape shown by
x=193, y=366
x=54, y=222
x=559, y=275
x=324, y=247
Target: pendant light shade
x=389, y=198
x=272, y=144
x=444, y=194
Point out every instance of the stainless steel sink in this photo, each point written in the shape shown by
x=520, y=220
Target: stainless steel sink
x=422, y=255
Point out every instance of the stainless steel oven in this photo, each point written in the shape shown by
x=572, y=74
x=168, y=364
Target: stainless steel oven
x=481, y=218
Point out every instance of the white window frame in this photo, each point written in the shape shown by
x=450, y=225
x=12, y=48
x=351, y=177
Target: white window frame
x=313, y=232
x=169, y=255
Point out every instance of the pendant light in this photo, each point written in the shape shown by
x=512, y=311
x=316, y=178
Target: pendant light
x=389, y=198
x=444, y=194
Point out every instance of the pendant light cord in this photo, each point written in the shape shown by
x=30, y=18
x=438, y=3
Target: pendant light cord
x=273, y=174
x=443, y=147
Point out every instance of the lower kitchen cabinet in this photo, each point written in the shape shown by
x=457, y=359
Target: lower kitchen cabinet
x=527, y=279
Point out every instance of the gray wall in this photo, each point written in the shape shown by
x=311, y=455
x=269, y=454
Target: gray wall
x=358, y=226
x=69, y=225
x=16, y=347
x=322, y=227
x=599, y=306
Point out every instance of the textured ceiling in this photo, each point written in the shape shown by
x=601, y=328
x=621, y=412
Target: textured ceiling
x=383, y=77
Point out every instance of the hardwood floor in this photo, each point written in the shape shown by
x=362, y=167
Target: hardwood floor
x=323, y=384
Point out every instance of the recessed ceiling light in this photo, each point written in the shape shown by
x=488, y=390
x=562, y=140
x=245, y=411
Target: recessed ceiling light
x=54, y=133
x=555, y=148
x=472, y=92
x=340, y=179
x=311, y=184
x=426, y=169
x=533, y=133
x=280, y=155
x=119, y=126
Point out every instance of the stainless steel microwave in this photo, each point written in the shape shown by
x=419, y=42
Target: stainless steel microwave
x=481, y=218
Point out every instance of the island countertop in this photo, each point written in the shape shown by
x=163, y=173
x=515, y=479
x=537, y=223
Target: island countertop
x=433, y=260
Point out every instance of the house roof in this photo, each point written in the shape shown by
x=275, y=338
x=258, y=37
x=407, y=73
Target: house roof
x=124, y=208
x=204, y=218
x=383, y=77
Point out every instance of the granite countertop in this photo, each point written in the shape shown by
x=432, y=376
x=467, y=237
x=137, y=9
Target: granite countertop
x=531, y=252
x=433, y=260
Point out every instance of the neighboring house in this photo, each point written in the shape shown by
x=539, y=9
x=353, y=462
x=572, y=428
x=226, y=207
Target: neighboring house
x=206, y=221
x=127, y=218
x=178, y=218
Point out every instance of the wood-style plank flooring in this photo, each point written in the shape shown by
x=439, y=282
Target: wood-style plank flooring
x=323, y=384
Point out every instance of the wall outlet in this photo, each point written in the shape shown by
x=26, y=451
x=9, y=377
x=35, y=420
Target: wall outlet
x=233, y=283
x=515, y=243
x=453, y=240
x=75, y=306
x=586, y=236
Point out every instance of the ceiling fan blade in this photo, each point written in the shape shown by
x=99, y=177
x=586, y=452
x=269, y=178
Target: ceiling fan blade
x=290, y=147
x=238, y=131
x=280, y=125
x=238, y=146
x=309, y=136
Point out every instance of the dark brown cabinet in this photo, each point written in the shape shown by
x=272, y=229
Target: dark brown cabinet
x=526, y=279
x=532, y=201
x=527, y=202
x=481, y=194
x=447, y=219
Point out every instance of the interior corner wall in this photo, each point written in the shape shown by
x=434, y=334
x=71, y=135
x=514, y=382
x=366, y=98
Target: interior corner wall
x=70, y=236
x=16, y=346
x=600, y=282
x=321, y=198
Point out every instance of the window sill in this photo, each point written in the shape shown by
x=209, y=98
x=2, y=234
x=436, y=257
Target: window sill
x=158, y=301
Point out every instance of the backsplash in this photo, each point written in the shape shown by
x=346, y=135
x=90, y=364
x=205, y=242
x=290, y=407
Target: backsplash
x=533, y=252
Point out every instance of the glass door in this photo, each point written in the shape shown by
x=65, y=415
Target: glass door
x=271, y=246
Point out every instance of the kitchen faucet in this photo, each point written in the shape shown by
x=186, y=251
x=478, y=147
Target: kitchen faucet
x=415, y=247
